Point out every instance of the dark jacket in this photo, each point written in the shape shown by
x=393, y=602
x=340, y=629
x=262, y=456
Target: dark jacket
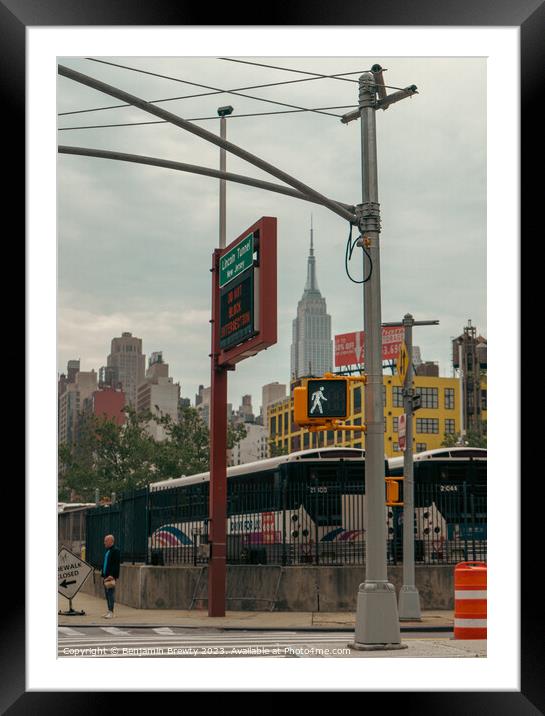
x=114, y=561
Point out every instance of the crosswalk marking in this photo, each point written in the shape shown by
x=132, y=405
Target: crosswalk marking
x=115, y=631
x=171, y=638
x=71, y=632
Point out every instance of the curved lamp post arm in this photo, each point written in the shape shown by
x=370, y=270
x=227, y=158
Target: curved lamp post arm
x=209, y=137
x=194, y=169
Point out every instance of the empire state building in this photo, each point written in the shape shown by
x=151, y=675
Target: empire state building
x=312, y=347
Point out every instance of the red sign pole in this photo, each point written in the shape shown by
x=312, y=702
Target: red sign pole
x=218, y=462
x=220, y=362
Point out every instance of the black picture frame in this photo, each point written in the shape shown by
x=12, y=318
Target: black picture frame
x=529, y=16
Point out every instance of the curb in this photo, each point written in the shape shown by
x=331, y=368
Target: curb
x=253, y=628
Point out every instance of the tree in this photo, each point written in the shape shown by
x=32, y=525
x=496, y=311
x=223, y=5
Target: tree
x=107, y=456
x=186, y=448
x=277, y=450
x=472, y=438
x=186, y=451
x=118, y=458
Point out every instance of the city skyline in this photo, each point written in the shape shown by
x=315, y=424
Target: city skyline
x=135, y=243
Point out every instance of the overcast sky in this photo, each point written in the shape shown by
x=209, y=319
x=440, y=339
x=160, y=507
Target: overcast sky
x=135, y=242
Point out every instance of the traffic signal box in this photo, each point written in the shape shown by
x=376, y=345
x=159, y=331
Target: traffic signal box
x=392, y=491
x=323, y=402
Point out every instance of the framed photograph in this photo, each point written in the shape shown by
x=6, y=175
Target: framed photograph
x=80, y=293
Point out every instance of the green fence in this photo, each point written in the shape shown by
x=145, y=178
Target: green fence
x=127, y=521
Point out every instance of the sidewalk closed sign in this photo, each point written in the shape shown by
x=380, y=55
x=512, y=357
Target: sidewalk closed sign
x=72, y=572
x=402, y=431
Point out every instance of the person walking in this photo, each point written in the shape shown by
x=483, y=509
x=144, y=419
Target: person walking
x=110, y=573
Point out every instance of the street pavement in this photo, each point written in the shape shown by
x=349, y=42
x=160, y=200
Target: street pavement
x=160, y=633
x=126, y=616
x=169, y=642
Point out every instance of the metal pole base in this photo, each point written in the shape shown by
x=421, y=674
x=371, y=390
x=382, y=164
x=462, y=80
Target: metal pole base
x=377, y=622
x=409, y=604
x=377, y=647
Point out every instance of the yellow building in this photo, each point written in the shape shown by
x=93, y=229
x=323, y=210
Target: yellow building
x=439, y=414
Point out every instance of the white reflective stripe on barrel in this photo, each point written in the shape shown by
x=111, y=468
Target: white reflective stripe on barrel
x=469, y=594
x=468, y=623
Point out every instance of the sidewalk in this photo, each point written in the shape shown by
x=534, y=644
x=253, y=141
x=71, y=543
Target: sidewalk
x=94, y=608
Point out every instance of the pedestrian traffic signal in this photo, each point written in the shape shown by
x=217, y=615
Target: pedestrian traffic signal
x=327, y=399
x=323, y=401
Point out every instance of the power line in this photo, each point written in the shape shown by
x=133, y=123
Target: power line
x=191, y=96
x=201, y=119
x=303, y=72
x=315, y=75
x=196, y=84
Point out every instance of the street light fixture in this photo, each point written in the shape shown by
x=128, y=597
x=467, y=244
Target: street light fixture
x=225, y=111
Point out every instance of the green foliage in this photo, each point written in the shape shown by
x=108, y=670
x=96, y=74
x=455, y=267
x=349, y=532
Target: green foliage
x=117, y=458
x=277, y=450
x=472, y=438
x=235, y=433
x=186, y=449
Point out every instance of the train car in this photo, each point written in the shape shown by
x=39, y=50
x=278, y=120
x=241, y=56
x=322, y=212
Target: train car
x=450, y=505
x=305, y=507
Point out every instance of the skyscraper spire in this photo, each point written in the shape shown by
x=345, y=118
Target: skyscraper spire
x=312, y=283
x=311, y=347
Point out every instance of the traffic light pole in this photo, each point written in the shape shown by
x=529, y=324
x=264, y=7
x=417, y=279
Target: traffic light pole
x=409, y=597
x=377, y=623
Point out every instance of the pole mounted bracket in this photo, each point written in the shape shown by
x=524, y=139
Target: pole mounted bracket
x=350, y=116
x=368, y=217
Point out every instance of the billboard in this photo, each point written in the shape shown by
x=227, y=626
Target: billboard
x=350, y=347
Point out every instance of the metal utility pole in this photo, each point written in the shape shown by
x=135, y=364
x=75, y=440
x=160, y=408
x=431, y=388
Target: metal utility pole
x=377, y=622
x=409, y=597
x=217, y=569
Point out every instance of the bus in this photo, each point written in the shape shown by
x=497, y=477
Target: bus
x=305, y=507
x=308, y=507
x=450, y=505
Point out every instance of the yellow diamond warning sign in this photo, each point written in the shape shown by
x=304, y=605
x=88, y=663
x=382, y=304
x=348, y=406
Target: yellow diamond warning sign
x=402, y=363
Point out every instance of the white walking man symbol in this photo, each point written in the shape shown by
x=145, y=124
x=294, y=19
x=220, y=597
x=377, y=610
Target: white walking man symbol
x=317, y=397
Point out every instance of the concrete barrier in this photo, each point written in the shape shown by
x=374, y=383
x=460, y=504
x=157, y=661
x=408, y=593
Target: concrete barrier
x=257, y=587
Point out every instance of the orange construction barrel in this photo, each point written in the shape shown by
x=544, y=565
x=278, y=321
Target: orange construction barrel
x=470, y=600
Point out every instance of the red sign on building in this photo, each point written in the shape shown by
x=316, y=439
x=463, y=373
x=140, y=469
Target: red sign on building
x=350, y=347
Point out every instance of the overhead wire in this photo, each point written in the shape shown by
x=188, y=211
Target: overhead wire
x=303, y=72
x=314, y=76
x=199, y=119
x=338, y=76
x=196, y=84
x=193, y=96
